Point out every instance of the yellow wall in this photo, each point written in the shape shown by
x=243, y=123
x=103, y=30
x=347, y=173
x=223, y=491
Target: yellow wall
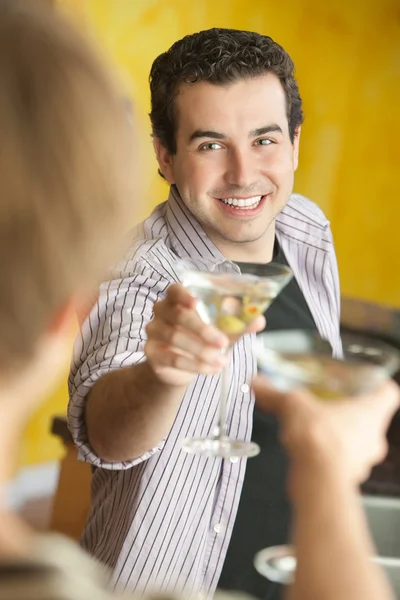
x=348, y=64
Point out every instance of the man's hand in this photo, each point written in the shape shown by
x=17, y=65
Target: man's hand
x=346, y=436
x=180, y=345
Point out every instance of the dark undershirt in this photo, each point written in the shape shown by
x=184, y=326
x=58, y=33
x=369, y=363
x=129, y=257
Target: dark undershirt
x=263, y=516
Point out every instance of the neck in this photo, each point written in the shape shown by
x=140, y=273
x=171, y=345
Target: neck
x=11, y=427
x=21, y=391
x=260, y=251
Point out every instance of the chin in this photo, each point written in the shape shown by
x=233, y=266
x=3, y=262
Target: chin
x=242, y=239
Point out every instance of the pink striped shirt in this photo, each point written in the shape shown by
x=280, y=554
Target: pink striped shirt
x=164, y=521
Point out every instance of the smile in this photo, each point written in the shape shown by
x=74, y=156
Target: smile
x=243, y=203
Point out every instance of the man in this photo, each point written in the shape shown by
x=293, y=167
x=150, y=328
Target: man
x=226, y=118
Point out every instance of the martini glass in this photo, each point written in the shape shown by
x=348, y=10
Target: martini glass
x=231, y=302
x=299, y=358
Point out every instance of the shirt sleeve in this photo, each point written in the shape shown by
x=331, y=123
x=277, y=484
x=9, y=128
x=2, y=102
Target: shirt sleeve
x=112, y=337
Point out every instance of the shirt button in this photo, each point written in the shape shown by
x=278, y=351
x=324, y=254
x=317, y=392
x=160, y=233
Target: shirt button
x=234, y=459
x=244, y=388
x=217, y=527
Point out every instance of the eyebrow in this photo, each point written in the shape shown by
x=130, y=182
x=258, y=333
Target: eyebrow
x=274, y=128
x=207, y=133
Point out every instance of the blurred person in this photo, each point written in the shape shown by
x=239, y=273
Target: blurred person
x=66, y=165
x=332, y=447
x=226, y=118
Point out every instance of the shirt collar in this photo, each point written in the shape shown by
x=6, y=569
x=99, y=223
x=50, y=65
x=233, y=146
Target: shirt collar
x=187, y=237
x=303, y=222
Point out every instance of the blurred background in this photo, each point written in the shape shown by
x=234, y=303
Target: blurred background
x=347, y=56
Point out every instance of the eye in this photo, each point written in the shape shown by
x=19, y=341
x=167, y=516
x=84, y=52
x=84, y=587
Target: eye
x=210, y=146
x=264, y=142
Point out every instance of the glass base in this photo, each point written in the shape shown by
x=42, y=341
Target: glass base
x=277, y=563
x=223, y=447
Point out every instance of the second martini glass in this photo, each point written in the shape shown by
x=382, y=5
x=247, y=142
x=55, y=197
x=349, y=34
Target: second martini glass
x=231, y=302
x=300, y=358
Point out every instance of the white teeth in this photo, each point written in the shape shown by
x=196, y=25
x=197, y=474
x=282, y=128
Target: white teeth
x=243, y=203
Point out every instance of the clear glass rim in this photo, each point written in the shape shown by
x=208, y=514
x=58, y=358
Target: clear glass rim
x=390, y=354
x=282, y=272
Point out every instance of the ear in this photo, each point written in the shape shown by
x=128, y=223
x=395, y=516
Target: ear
x=77, y=308
x=296, y=147
x=62, y=320
x=164, y=159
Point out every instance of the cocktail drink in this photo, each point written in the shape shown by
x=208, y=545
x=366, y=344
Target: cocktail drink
x=231, y=302
x=300, y=358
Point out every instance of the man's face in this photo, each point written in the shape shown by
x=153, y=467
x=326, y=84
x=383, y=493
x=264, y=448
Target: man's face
x=234, y=165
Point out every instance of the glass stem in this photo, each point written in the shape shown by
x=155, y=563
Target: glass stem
x=225, y=384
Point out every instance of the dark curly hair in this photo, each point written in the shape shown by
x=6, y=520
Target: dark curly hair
x=220, y=56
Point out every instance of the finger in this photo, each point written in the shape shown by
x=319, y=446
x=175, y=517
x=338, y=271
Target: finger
x=178, y=338
x=178, y=294
x=257, y=325
x=389, y=398
x=390, y=393
x=384, y=401
x=188, y=318
x=383, y=451
x=160, y=355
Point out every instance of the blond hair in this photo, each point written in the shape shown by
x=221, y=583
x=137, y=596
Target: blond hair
x=65, y=171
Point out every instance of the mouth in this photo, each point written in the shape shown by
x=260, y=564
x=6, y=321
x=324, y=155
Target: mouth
x=242, y=206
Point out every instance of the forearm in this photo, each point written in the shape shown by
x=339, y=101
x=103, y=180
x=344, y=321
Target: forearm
x=129, y=411
x=332, y=542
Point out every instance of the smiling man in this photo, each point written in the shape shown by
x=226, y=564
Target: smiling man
x=226, y=117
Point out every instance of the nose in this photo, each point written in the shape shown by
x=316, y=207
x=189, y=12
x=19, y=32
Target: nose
x=241, y=168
